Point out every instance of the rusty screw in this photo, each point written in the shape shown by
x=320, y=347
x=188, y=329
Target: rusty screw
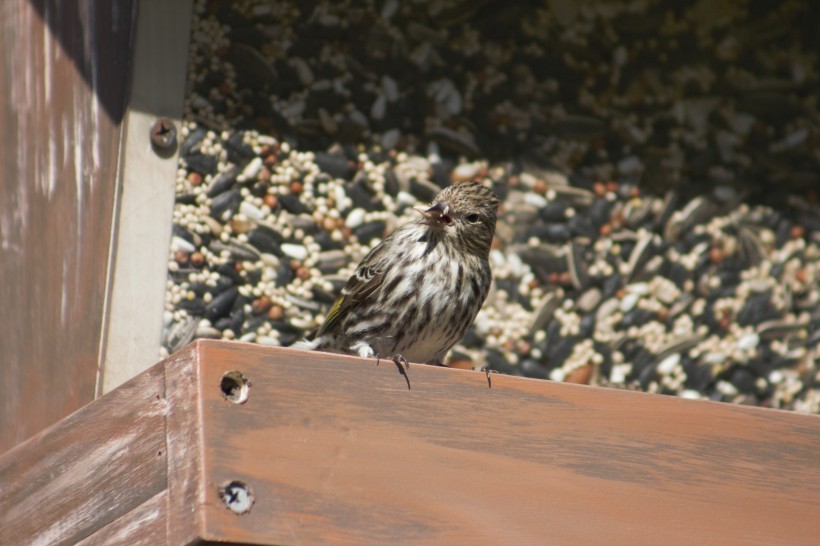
x=163, y=135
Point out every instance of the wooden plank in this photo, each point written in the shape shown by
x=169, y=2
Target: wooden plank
x=64, y=71
x=145, y=525
x=83, y=473
x=134, y=330
x=338, y=451
x=184, y=443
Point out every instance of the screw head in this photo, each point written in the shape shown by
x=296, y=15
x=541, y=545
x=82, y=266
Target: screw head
x=163, y=135
x=237, y=496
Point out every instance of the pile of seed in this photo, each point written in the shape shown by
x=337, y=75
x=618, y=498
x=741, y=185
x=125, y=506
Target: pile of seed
x=658, y=166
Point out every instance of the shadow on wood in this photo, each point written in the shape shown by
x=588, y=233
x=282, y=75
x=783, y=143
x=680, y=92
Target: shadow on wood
x=335, y=450
x=64, y=71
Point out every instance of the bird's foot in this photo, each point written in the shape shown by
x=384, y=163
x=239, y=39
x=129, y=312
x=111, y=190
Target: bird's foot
x=398, y=360
x=488, y=371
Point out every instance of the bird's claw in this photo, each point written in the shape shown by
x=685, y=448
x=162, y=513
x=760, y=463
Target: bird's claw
x=399, y=360
x=488, y=371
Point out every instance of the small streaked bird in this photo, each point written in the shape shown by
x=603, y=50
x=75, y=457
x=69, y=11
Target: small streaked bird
x=415, y=294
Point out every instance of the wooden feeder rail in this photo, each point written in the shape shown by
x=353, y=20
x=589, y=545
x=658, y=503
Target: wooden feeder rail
x=329, y=449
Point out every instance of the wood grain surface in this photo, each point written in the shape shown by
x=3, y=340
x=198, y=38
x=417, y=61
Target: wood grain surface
x=64, y=72
x=338, y=451
x=145, y=525
x=93, y=467
x=186, y=494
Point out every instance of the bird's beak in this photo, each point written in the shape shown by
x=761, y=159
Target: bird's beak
x=438, y=213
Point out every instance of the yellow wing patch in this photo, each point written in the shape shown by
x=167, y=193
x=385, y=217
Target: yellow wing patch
x=334, y=315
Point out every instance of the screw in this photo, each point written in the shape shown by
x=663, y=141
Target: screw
x=163, y=134
x=237, y=496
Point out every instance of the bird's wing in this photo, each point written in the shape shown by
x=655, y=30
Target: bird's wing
x=364, y=281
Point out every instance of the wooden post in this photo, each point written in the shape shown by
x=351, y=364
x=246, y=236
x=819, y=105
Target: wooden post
x=80, y=317
x=64, y=72
x=329, y=449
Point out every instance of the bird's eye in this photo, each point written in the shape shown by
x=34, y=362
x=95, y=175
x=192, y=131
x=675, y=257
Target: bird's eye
x=472, y=218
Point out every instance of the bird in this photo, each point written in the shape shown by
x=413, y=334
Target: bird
x=415, y=294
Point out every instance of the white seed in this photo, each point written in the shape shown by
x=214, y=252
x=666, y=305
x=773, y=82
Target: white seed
x=297, y=252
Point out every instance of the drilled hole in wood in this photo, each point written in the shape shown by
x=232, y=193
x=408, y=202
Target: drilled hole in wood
x=235, y=387
x=237, y=496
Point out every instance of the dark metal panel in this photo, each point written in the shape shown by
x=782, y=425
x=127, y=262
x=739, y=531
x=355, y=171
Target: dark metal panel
x=64, y=71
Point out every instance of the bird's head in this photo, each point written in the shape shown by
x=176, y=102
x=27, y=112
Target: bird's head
x=465, y=214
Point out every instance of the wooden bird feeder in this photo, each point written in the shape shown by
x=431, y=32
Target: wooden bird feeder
x=237, y=443
x=229, y=443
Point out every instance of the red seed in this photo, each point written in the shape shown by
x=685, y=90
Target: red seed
x=303, y=273
x=197, y=259
x=270, y=200
x=797, y=232
x=194, y=178
x=461, y=363
x=580, y=376
x=261, y=305
x=276, y=312
x=716, y=255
